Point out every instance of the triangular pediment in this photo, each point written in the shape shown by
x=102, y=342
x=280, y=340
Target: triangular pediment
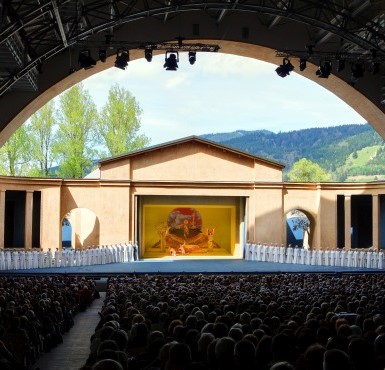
x=190, y=159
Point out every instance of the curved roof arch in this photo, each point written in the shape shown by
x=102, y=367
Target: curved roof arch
x=40, y=42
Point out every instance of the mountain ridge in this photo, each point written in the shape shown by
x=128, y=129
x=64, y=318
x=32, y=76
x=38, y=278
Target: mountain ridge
x=334, y=148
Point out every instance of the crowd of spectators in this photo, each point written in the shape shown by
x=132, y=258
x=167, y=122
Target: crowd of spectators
x=34, y=314
x=241, y=322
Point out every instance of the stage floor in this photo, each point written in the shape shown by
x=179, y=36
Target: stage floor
x=190, y=266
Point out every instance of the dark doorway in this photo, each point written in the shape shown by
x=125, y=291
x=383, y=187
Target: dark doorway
x=36, y=219
x=14, y=223
x=340, y=221
x=382, y=220
x=362, y=221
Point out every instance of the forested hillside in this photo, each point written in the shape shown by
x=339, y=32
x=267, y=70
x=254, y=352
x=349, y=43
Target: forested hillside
x=348, y=152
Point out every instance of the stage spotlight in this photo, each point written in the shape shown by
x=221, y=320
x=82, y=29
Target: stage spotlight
x=340, y=65
x=122, y=58
x=285, y=68
x=192, y=57
x=171, y=61
x=302, y=64
x=148, y=54
x=85, y=60
x=358, y=70
x=102, y=55
x=375, y=68
x=325, y=69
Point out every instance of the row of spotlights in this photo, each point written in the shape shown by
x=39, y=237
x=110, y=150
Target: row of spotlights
x=123, y=57
x=325, y=68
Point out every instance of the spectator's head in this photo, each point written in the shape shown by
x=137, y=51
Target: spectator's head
x=179, y=357
x=107, y=364
x=335, y=359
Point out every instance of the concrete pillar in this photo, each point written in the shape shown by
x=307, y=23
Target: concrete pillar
x=376, y=221
x=28, y=219
x=348, y=221
x=2, y=217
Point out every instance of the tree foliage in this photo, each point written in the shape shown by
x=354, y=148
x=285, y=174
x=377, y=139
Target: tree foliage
x=307, y=171
x=75, y=138
x=66, y=133
x=120, y=118
x=42, y=136
x=15, y=154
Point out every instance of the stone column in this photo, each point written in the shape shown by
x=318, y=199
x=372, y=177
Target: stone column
x=348, y=222
x=28, y=219
x=376, y=221
x=2, y=217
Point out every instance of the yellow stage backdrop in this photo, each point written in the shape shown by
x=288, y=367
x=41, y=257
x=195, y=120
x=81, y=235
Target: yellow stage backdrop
x=187, y=230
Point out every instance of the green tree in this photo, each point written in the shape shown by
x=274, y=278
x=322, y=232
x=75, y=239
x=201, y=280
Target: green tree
x=42, y=135
x=307, y=171
x=15, y=156
x=119, y=122
x=76, y=137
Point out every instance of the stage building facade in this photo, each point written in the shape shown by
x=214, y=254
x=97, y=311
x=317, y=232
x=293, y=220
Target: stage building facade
x=189, y=197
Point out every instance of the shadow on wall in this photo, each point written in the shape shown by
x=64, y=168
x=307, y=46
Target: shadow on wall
x=84, y=229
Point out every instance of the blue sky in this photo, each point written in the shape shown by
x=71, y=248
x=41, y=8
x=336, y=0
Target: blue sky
x=221, y=93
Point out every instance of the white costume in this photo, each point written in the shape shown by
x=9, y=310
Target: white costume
x=15, y=260
x=2, y=260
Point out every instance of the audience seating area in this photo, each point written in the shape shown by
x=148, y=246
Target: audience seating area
x=34, y=314
x=241, y=322
x=210, y=322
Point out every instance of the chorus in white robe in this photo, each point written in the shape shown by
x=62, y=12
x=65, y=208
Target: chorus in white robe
x=276, y=254
x=35, y=259
x=289, y=254
x=281, y=254
x=48, y=260
x=356, y=258
x=302, y=256
x=70, y=257
x=63, y=259
x=87, y=257
x=40, y=259
x=264, y=253
x=270, y=253
x=8, y=260
x=296, y=255
x=103, y=255
x=78, y=257
x=369, y=256
x=248, y=251
x=320, y=255
x=121, y=253
x=308, y=258
x=251, y=254
x=326, y=257
x=93, y=256
x=15, y=260
x=313, y=260
x=343, y=258
x=337, y=257
x=349, y=262
x=29, y=259
x=332, y=259
x=258, y=252
x=136, y=251
x=57, y=258
x=83, y=257
x=380, y=263
x=362, y=258
x=22, y=259
x=2, y=260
